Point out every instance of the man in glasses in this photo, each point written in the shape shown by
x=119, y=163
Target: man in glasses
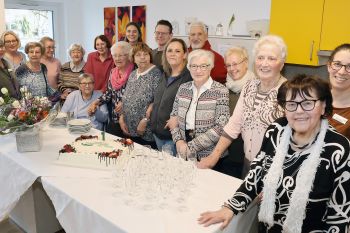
x=162, y=34
x=198, y=38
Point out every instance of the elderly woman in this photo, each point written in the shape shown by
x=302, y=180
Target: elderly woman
x=12, y=43
x=116, y=85
x=257, y=105
x=33, y=74
x=100, y=63
x=7, y=77
x=139, y=96
x=70, y=71
x=133, y=33
x=339, y=77
x=174, y=65
x=52, y=64
x=302, y=168
x=236, y=62
x=79, y=101
x=201, y=108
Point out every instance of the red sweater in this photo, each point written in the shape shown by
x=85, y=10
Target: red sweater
x=219, y=72
x=100, y=70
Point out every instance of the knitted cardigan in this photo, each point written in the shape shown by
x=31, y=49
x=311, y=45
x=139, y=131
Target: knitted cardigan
x=212, y=114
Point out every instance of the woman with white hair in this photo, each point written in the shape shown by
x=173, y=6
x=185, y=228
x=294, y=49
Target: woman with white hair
x=257, y=105
x=116, y=85
x=70, y=71
x=200, y=107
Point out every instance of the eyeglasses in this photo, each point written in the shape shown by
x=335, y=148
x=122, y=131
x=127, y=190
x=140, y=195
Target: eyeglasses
x=233, y=65
x=11, y=41
x=306, y=105
x=87, y=84
x=161, y=33
x=202, y=67
x=336, y=65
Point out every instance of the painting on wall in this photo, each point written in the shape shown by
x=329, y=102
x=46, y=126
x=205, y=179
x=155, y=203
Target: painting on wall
x=123, y=20
x=139, y=17
x=109, y=24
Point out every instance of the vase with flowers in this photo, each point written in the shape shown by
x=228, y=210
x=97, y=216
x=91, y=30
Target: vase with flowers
x=24, y=117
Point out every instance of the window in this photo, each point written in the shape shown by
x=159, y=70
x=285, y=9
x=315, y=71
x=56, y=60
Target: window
x=30, y=25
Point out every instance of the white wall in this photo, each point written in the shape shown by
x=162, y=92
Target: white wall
x=2, y=16
x=80, y=21
x=210, y=11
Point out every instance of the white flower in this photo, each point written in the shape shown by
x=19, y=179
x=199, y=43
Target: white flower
x=10, y=117
x=4, y=91
x=2, y=101
x=23, y=89
x=16, y=104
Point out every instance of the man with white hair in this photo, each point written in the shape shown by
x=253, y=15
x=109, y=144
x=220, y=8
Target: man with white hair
x=198, y=39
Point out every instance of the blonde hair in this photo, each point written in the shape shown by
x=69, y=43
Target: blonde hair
x=240, y=51
x=12, y=33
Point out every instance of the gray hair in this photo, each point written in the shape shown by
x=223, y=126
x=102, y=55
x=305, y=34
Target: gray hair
x=201, y=53
x=73, y=47
x=274, y=40
x=240, y=51
x=199, y=24
x=86, y=76
x=125, y=46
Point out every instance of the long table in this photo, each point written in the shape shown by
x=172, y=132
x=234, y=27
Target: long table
x=83, y=199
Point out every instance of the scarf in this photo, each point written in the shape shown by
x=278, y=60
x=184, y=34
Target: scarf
x=237, y=85
x=118, y=80
x=304, y=181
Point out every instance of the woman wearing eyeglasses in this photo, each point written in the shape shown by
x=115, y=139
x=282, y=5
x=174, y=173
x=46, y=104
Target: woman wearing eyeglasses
x=238, y=74
x=52, y=64
x=78, y=102
x=339, y=77
x=257, y=105
x=12, y=43
x=302, y=169
x=201, y=108
x=116, y=86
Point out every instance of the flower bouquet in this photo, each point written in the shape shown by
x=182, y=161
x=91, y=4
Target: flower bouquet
x=23, y=117
x=14, y=114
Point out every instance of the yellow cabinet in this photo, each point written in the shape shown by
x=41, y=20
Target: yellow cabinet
x=298, y=22
x=335, y=24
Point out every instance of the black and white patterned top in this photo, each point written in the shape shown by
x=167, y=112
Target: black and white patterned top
x=112, y=97
x=328, y=208
x=138, y=95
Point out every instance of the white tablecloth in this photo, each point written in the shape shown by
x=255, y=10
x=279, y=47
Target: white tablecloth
x=83, y=198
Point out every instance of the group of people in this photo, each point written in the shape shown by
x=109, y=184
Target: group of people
x=288, y=139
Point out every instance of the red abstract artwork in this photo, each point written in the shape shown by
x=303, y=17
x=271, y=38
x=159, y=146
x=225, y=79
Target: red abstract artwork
x=109, y=24
x=139, y=17
x=123, y=20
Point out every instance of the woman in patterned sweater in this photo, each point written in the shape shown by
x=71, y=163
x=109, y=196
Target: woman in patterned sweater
x=138, y=97
x=201, y=108
x=257, y=105
x=302, y=169
x=70, y=71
